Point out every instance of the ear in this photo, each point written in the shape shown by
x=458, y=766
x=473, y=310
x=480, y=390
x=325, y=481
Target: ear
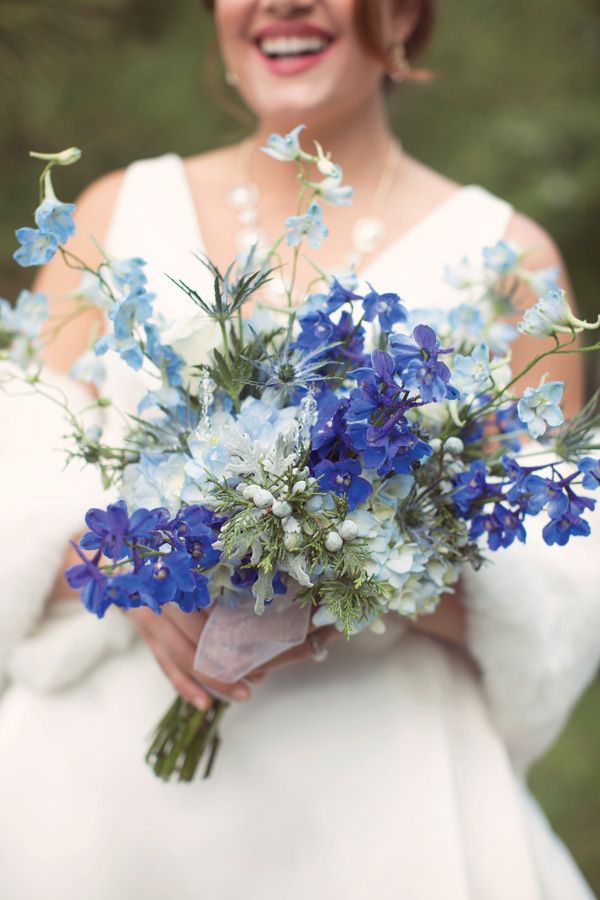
x=400, y=18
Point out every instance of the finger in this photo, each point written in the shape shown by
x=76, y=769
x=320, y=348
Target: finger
x=190, y=624
x=182, y=652
x=185, y=686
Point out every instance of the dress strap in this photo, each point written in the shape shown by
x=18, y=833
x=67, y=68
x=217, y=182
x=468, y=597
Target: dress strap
x=470, y=220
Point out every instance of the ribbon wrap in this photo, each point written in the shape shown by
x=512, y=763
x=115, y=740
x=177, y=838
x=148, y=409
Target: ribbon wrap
x=235, y=640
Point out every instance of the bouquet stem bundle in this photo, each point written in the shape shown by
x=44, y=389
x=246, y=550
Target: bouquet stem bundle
x=182, y=739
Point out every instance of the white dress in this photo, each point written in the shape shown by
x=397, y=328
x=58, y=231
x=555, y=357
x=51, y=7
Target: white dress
x=392, y=770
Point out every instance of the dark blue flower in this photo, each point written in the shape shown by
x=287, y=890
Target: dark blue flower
x=172, y=578
x=471, y=486
x=501, y=526
x=330, y=427
x=507, y=421
x=110, y=529
x=559, y=531
x=87, y=578
x=338, y=295
x=387, y=307
x=316, y=330
x=196, y=528
x=590, y=469
x=36, y=247
x=350, y=339
x=417, y=363
x=343, y=478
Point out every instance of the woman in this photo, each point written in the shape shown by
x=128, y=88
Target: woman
x=394, y=768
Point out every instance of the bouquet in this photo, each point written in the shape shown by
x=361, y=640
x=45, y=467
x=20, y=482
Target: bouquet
x=337, y=461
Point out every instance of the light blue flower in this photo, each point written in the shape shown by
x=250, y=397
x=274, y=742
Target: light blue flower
x=128, y=349
x=552, y=315
x=55, y=218
x=89, y=369
x=36, y=248
x=460, y=276
x=501, y=258
x=27, y=316
x=539, y=408
x=132, y=310
x=128, y=274
x=333, y=191
x=310, y=224
x=470, y=374
x=156, y=480
x=466, y=322
x=435, y=318
x=499, y=337
x=262, y=423
x=542, y=281
x=285, y=148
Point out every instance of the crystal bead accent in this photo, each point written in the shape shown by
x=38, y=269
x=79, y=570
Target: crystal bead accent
x=244, y=196
x=368, y=233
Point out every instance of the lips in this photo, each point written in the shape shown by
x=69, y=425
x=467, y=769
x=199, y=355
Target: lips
x=287, y=48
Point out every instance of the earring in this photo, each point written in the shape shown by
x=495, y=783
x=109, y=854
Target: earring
x=231, y=78
x=399, y=65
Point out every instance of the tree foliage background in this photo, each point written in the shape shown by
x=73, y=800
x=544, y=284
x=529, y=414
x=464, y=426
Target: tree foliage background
x=515, y=108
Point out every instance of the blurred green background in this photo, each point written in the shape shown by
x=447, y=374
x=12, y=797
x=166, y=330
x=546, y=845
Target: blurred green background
x=516, y=108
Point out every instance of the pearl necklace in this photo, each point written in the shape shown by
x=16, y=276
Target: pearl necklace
x=368, y=232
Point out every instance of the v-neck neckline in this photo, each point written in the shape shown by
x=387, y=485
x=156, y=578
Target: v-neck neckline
x=365, y=274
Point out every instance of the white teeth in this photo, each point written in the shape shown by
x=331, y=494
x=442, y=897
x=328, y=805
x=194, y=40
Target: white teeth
x=292, y=46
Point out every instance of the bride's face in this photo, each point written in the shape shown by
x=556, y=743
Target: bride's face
x=296, y=60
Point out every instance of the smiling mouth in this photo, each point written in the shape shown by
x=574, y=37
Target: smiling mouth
x=293, y=46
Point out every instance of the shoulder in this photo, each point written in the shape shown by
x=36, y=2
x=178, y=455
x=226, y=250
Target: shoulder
x=531, y=237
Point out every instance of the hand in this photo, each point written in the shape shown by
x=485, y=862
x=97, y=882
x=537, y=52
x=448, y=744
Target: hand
x=172, y=636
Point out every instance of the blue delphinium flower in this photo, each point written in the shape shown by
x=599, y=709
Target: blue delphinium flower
x=285, y=148
x=128, y=349
x=471, y=374
x=310, y=224
x=590, y=469
x=387, y=308
x=349, y=340
x=539, y=407
x=89, y=369
x=541, y=281
x=132, y=310
x=172, y=578
x=501, y=258
x=418, y=365
x=330, y=428
x=128, y=274
x=316, y=330
x=501, y=526
x=55, y=218
x=111, y=529
x=467, y=324
x=332, y=191
x=507, y=421
x=343, y=478
x=559, y=531
x=552, y=315
x=87, y=578
x=163, y=356
x=338, y=295
x=37, y=248
x=27, y=316
x=472, y=486
x=196, y=529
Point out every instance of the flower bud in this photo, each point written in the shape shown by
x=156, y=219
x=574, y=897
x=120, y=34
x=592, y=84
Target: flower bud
x=454, y=445
x=333, y=542
x=281, y=509
x=348, y=530
x=436, y=445
x=262, y=497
